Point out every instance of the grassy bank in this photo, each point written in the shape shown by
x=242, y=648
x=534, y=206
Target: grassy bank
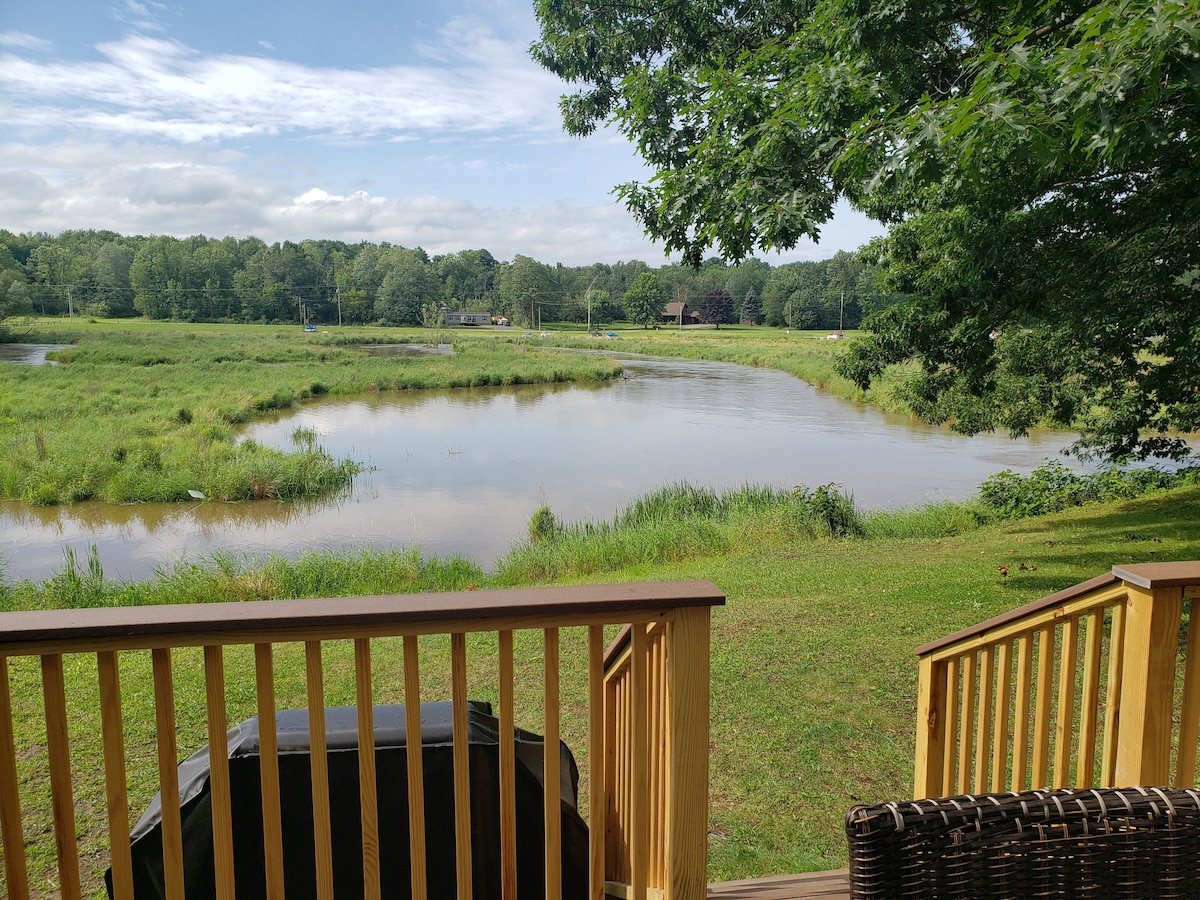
x=813, y=677
x=147, y=411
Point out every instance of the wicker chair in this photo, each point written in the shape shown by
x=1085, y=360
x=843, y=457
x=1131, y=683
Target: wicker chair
x=1132, y=842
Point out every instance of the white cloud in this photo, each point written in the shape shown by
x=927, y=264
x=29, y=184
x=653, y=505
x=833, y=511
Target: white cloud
x=141, y=16
x=23, y=41
x=145, y=189
x=154, y=87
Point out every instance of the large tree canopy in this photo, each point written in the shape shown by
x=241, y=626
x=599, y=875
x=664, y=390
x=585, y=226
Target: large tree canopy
x=1038, y=164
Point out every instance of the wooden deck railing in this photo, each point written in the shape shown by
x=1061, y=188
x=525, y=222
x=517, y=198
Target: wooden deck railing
x=645, y=725
x=1081, y=688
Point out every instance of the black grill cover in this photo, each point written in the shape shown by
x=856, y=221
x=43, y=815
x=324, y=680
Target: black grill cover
x=392, y=792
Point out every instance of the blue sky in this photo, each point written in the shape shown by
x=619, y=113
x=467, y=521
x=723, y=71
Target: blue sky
x=423, y=124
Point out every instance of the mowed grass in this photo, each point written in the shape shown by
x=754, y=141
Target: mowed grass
x=813, y=673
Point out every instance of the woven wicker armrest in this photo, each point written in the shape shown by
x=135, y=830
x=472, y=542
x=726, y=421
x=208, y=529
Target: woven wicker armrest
x=1132, y=842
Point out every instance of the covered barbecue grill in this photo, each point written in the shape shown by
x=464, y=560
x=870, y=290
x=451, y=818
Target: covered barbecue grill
x=392, y=793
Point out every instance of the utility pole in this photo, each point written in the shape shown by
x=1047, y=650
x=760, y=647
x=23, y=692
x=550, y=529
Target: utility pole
x=589, y=301
x=338, y=295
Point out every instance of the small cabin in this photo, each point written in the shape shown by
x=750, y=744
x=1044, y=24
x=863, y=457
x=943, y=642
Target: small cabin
x=678, y=313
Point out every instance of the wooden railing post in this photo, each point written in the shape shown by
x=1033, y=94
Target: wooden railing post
x=1147, y=686
x=687, y=788
x=929, y=779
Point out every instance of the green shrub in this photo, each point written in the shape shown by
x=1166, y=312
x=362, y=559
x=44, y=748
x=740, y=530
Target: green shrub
x=831, y=509
x=1052, y=487
x=542, y=524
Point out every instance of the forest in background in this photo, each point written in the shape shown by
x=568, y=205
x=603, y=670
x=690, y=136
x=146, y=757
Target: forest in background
x=103, y=274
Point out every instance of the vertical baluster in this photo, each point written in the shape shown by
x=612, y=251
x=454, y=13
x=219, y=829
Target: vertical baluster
x=668, y=751
x=626, y=778
x=319, y=765
x=986, y=711
x=416, y=780
x=1189, y=714
x=508, y=772
x=1020, y=773
x=658, y=748
x=966, y=726
x=597, y=762
x=58, y=746
x=113, y=731
x=16, y=875
x=1042, y=707
x=639, y=774
x=364, y=700
x=168, y=773
x=218, y=767
x=612, y=783
x=551, y=767
x=1112, y=696
x=1089, y=703
x=462, y=769
x=1003, y=709
x=264, y=683
x=953, y=729
x=1068, y=659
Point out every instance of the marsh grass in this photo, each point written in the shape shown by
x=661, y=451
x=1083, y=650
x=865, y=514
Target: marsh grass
x=134, y=414
x=676, y=522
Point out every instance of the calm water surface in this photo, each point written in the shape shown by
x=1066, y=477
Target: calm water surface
x=462, y=471
x=28, y=354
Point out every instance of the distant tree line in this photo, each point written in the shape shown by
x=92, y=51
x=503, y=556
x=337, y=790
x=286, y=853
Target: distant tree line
x=199, y=279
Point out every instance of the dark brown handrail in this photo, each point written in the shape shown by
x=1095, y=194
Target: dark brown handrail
x=196, y=624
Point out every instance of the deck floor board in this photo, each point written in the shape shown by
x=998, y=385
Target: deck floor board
x=833, y=885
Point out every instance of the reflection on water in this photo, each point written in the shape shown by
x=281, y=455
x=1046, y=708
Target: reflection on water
x=462, y=471
x=28, y=354
x=407, y=349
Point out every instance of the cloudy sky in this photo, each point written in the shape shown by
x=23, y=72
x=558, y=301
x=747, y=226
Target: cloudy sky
x=419, y=123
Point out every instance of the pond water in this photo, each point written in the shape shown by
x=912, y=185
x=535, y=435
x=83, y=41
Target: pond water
x=28, y=354
x=462, y=471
